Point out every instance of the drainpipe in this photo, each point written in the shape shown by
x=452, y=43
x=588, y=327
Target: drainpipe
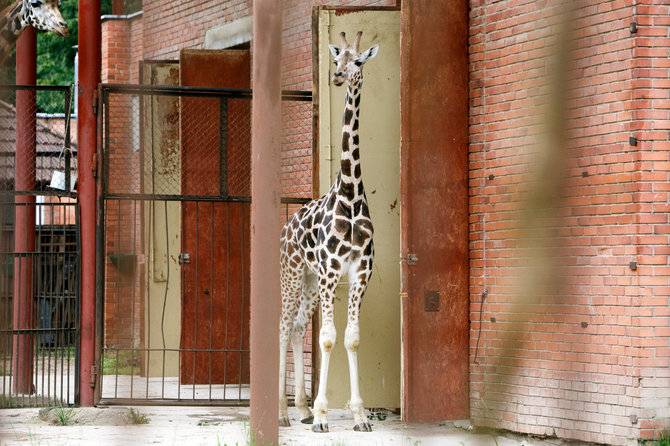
x=89, y=78
x=24, y=214
x=265, y=220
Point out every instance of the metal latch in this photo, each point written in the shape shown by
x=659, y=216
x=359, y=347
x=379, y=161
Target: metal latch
x=184, y=257
x=411, y=259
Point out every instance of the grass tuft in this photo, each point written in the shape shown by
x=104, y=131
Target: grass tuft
x=63, y=414
x=138, y=418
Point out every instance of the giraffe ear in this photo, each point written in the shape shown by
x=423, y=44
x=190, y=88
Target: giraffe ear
x=369, y=54
x=335, y=51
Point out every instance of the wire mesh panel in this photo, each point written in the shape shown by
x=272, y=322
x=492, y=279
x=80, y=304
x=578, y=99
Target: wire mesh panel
x=39, y=249
x=176, y=234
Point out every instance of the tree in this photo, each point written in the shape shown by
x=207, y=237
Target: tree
x=55, y=56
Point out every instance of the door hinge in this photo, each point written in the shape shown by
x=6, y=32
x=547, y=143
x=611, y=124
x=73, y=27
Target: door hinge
x=411, y=259
x=94, y=164
x=184, y=257
x=94, y=375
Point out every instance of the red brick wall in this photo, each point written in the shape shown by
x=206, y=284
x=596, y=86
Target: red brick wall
x=173, y=25
x=650, y=325
x=120, y=40
x=576, y=343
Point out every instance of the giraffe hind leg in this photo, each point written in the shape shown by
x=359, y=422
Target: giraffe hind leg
x=290, y=291
x=310, y=296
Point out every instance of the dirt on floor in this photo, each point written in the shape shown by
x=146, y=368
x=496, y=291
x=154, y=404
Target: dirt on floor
x=218, y=426
x=92, y=416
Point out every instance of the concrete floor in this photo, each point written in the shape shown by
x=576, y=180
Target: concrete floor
x=217, y=426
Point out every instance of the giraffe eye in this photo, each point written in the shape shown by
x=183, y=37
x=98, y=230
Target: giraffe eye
x=35, y=3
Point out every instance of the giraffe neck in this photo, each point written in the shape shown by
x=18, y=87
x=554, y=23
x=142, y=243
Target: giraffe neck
x=350, y=179
x=12, y=24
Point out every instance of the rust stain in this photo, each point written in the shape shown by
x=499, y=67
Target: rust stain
x=393, y=205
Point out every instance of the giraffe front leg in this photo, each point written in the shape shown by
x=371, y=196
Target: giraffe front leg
x=352, y=338
x=351, y=343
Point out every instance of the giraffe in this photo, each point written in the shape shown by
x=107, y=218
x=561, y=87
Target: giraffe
x=323, y=241
x=42, y=14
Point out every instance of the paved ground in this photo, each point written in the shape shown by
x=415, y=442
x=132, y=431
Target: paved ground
x=218, y=426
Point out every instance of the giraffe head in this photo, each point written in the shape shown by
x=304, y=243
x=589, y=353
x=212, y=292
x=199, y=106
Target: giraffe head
x=45, y=16
x=349, y=62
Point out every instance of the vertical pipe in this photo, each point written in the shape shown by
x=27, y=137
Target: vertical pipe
x=265, y=220
x=24, y=221
x=89, y=77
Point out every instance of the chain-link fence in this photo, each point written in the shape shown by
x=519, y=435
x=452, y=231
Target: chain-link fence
x=39, y=249
x=176, y=223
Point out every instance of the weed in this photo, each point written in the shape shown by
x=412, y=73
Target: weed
x=412, y=442
x=664, y=438
x=218, y=442
x=138, y=418
x=63, y=414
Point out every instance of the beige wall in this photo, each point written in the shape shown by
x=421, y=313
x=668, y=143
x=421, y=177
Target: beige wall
x=379, y=353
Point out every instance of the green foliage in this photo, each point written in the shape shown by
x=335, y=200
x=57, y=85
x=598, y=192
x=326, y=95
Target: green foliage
x=664, y=438
x=122, y=362
x=55, y=55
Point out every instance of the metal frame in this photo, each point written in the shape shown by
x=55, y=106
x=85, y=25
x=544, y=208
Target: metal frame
x=54, y=343
x=137, y=200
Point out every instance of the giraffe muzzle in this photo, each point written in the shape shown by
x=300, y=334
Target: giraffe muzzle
x=61, y=29
x=338, y=79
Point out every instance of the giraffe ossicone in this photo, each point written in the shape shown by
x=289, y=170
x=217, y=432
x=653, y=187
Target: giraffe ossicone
x=325, y=240
x=44, y=15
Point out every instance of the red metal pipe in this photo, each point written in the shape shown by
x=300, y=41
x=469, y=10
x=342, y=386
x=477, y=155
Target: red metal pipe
x=24, y=214
x=89, y=78
x=265, y=220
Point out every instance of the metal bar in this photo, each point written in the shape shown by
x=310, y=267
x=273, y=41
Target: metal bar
x=89, y=78
x=158, y=90
x=239, y=387
x=167, y=285
x=118, y=298
x=24, y=215
x=265, y=219
x=211, y=295
x=166, y=197
x=77, y=304
x=223, y=147
x=132, y=316
x=225, y=344
x=34, y=87
x=172, y=402
x=147, y=349
x=195, y=325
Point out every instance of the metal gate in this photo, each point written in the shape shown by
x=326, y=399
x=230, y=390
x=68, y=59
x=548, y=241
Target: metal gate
x=39, y=250
x=174, y=240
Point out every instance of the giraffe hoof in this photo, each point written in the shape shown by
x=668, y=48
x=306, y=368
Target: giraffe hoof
x=363, y=427
x=320, y=427
x=308, y=420
x=284, y=422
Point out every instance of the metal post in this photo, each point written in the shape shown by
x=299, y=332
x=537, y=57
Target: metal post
x=24, y=216
x=89, y=78
x=265, y=220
